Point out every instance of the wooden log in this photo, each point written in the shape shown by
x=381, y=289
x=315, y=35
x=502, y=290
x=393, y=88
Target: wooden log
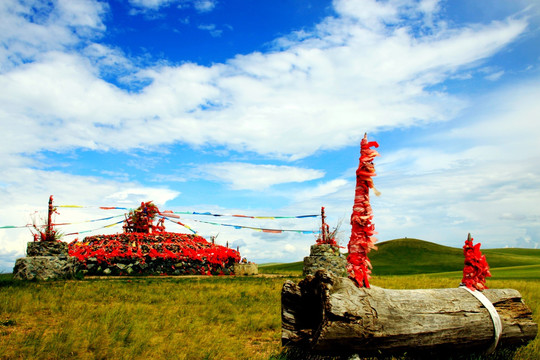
x=331, y=315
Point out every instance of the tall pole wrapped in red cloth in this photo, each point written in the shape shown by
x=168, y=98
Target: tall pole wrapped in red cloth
x=362, y=240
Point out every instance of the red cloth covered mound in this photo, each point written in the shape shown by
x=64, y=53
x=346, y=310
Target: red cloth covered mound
x=160, y=252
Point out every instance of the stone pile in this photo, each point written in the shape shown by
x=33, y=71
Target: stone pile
x=46, y=260
x=153, y=266
x=326, y=257
x=246, y=269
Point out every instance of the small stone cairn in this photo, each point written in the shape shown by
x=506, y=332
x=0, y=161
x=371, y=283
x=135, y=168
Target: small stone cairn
x=46, y=260
x=245, y=268
x=47, y=257
x=326, y=257
x=325, y=254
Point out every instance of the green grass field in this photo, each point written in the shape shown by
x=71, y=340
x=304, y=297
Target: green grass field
x=197, y=318
x=149, y=318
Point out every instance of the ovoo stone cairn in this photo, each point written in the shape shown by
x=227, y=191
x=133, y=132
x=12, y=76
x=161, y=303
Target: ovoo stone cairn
x=325, y=254
x=46, y=260
x=326, y=257
x=47, y=257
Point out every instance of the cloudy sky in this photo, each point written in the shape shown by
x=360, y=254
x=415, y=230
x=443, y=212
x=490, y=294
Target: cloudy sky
x=258, y=107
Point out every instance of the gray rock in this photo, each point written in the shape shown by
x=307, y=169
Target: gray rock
x=47, y=248
x=324, y=250
x=246, y=269
x=44, y=268
x=326, y=257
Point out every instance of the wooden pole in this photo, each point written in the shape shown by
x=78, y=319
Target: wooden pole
x=49, y=231
x=324, y=229
x=331, y=315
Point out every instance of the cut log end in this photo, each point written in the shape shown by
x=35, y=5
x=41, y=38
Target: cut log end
x=330, y=315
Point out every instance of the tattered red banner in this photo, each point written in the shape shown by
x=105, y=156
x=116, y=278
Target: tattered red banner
x=362, y=241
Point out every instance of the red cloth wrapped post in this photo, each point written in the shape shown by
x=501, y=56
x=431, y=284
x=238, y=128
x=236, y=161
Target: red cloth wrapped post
x=326, y=237
x=362, y=241
x=476, y=268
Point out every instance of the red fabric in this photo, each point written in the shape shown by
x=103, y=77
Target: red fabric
x=165, y=245
x=141, y=220
x=362, y=241
x=476, y=268
x=326, y=237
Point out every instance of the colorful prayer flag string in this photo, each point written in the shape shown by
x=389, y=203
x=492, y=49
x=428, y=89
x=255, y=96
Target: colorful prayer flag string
x=87, y=231
x=87, y=221
x=206, y=213
x=275, y=231
x=244, y=216
x=14, y=227
x=179, y=223
x=88, y=207
x=173, y=214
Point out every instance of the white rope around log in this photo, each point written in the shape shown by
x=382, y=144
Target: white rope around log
x=494, y=317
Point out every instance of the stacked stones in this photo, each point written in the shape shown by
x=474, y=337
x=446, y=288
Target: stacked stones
x=46, y=260
x=326, y=257
x=153, y=266
x=246, y=269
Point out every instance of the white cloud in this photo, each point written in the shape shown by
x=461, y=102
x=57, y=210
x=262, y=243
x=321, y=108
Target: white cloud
x=56, y=26
x=495, y=76
x=137, y=195
x=483, y=187
x=368, y=12
x=322, y=92
x=323, y=190
x=244, y=176
x=201, y=6
x=150, y=4
x=289, y=248
x=211, y=28
x=204, y=5
x=81, y=14
x=7, y=260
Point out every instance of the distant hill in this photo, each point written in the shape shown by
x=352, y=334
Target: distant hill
x=294, y=268
x=414, y=256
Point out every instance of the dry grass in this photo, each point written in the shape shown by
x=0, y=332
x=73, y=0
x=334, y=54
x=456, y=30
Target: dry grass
x=209, y=318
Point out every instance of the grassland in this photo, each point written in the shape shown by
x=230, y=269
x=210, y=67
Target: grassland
x=189, y=317
x=157, y=318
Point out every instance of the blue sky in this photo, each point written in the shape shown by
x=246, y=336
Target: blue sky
x=258, y=108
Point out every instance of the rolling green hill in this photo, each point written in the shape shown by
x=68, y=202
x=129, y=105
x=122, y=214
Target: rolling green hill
x=294, y=268
x=413, y=256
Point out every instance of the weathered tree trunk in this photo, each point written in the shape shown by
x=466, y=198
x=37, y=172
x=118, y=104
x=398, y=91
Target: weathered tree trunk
x=330, y=315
